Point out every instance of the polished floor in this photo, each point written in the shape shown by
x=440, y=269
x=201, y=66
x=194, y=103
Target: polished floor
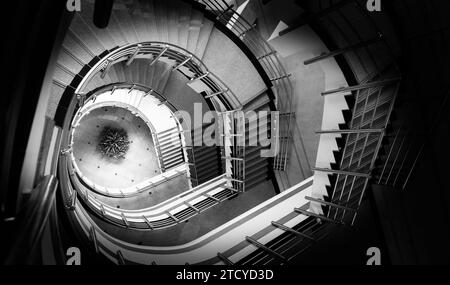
x=140, y=161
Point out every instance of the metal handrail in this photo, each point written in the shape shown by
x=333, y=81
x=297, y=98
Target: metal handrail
x=88, y=226
x=156, y=50
x=128, y=218
x=266, y=56
x=91, y=97
x=203, y=1
x=375, y=152
x=173, y=52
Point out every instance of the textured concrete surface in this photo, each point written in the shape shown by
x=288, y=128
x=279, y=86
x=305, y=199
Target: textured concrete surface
x=227, y=61
x=182, y=96
x=308, y=82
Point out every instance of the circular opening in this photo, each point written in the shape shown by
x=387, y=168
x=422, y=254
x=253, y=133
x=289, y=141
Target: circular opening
x=116, y=148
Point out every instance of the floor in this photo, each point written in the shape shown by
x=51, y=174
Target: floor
x=140, y=162
x=198, y=225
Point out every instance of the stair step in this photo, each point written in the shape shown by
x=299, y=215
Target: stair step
x=168, y=136
x=263, y=167
x=168, y=131
x=170, y=144
x=212, y=161
x=172, y=158
x=173, y=163
x=253, y=162
x=174, y=153
x=205, y=154
x=253, y=182
x=207, y=163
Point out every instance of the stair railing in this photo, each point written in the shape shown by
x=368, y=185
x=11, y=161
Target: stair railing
x=90, y=98
x=162, y=215
x=186, y=62
x=353, y=178
x=233, y=147
x=266, y=56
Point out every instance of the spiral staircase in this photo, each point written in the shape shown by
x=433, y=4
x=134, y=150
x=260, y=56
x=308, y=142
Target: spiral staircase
x=179, y=53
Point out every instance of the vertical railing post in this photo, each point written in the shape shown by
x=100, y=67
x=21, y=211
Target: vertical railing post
x=106, y=68
x=135, y=53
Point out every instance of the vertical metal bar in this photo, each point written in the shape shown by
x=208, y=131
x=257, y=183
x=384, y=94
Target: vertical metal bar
x=124, y=219
x=389, y=154
x=73, y=200
x=199, y=77
x=371, y=123
x=288, y=140
x=148, y=93
x=377, y=149
x=340, y=196
x=292, y=231
x=266, y=249
x=159, y=55
x=348, y=197
x=133, y=56
x=280, y=77
x=395, y=160
x=405, y=156
x=120, y=258
x=413, y=166
x=360, y=199
x=224, y=259
x=343, y=156
x=267, y=54
x=158, y=151
x=148, y=222
x=363, y=116
x=94, y=238
x=311, y=214
x=391, y=107
x=182, y=63
x=247, y=30
x=342, y=50
x=106, y=68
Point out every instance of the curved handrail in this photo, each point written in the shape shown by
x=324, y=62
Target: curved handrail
x=132, y=190
x=156, y=49
x=134, y=86
x=162, y=215
x=160, y=49
x=148, y=218
x=204, y=245
x=241, y=26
